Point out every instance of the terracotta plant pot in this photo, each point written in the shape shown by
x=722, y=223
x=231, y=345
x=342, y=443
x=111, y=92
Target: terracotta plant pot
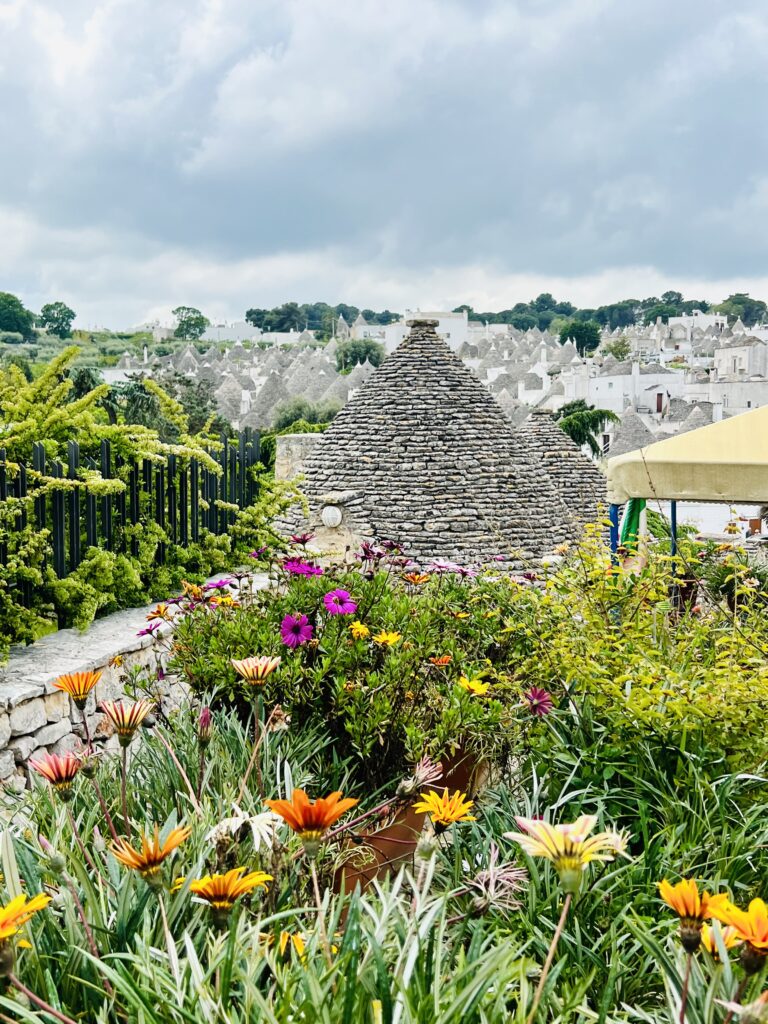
x=395, y=844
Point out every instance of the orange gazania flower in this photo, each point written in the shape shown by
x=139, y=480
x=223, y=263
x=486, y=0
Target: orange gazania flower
x=126, y=718
x=161, y=612
x=221, y=891
x=18, y=912
x=59, y=769
x=310, y=820
x=417, y=579
x=691, y=907
x=149, y=860
x=192, y=591
x=256, y=670
x=751, y=926
x=78, y=685
x=442, y=660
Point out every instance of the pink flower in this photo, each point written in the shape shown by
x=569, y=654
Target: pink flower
x=296, y=567
x=339, y=602
x=205, y=727
x=301, y=538
x=258, y=552
x=296, y=630
x=539, y=701
x=150, y=630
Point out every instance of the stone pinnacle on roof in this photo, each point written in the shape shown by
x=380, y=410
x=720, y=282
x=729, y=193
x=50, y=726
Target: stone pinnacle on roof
x=578, y=480
x=424, y=455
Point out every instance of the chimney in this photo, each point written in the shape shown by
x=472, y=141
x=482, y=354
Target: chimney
x=717, y=412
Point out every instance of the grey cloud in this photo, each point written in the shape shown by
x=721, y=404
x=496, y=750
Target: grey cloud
x=537, y=137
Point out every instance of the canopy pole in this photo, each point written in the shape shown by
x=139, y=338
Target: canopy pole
x=673, y=528
x=613, y=514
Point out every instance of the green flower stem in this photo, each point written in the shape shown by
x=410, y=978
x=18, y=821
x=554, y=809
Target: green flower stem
x=737, y=997
x=254, y=757
x=550, y=958
x=185, y=777
x=123, y=790
x=40, y=1003
x=105, y=810
x=320, y=914
x=86, y=856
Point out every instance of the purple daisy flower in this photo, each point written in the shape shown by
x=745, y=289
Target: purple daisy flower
x=339, y=602
x=258, y=552
x=217, y=584
x=150, y=630
x=297, y=567
x=301, y=538
x=296, y=630
x=539, y=701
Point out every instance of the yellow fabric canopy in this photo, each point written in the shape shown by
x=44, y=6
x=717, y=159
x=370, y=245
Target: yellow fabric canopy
x=725, y=461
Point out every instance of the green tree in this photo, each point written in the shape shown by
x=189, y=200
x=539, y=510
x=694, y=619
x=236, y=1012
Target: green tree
x=357, y=350
x=661, y=309
x=15, y=318
x=619, y=348
x=585, y=334
x=751, y=311
x=582, y=423
x=191, y=323
x=287, y=317
x=299, y=409
x=57, y=318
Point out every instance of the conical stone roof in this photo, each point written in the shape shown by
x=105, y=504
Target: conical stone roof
x=579, y=482
x=424, y=455
x=631, y=435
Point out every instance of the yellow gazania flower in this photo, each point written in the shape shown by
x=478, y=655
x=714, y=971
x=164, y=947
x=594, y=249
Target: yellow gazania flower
x=221, y=891
x=295, y=939
x=359, y=631
x=149, y=860
x=18, y=912
x=256, y=670
x=78, y=685
x=387, y=638
x=691, y=907
x=444, y=809
x=570, y=847
x=460, y=615
x=475, y=686
x=116, y=662
x=192, y=590
x=728, y=935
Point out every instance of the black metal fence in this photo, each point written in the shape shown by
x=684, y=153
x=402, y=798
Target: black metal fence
x=182, y=496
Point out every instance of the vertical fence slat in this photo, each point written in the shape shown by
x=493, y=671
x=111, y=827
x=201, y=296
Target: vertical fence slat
x=58, y=524
x=223, y=482
x=133, y=504
x=120, y=504
x=194, y=504
x=38, y=464
x=25, y=586
x=183, y=509
x=3, y=497
x=106, y=501
x=73, y=500
x=172, y=503
x=91, y=519
x=160, y=509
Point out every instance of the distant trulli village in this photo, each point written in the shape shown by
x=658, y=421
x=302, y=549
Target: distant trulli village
x=669, y=378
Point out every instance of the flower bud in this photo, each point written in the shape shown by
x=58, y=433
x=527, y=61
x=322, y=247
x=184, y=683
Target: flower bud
x=426, y=848
x=205, y=727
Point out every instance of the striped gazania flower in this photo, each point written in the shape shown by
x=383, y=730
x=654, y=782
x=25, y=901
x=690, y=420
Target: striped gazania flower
x=221, y=891
x=256, y=670
x=692, y=907
x=78, y=685
x=570, y=847
x=60, y=770
x=126, y=718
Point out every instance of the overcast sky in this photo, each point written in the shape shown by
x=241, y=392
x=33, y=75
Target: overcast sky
x=236, y=153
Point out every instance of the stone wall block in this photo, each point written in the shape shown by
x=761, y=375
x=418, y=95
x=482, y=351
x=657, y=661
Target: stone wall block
x=22, y=747
x=66, y=744
x=7, y=764
x=28, y=717
x=56, y=707
x=5, y=730
x=51, y=733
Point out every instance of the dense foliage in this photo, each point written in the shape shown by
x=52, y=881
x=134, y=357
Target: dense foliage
x=652, y=721
x=131, y=573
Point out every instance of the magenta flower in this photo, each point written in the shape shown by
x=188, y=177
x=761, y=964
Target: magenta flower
x=339, y=602
x=205, y=727
x=296, y=630
x=301, y=538
x=539, y=701
x=218, y=584
x=297, y=567
x=258, y=552
x=150, y=630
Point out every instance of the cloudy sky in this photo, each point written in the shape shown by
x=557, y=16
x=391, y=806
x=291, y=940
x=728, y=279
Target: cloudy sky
x=231, y=153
